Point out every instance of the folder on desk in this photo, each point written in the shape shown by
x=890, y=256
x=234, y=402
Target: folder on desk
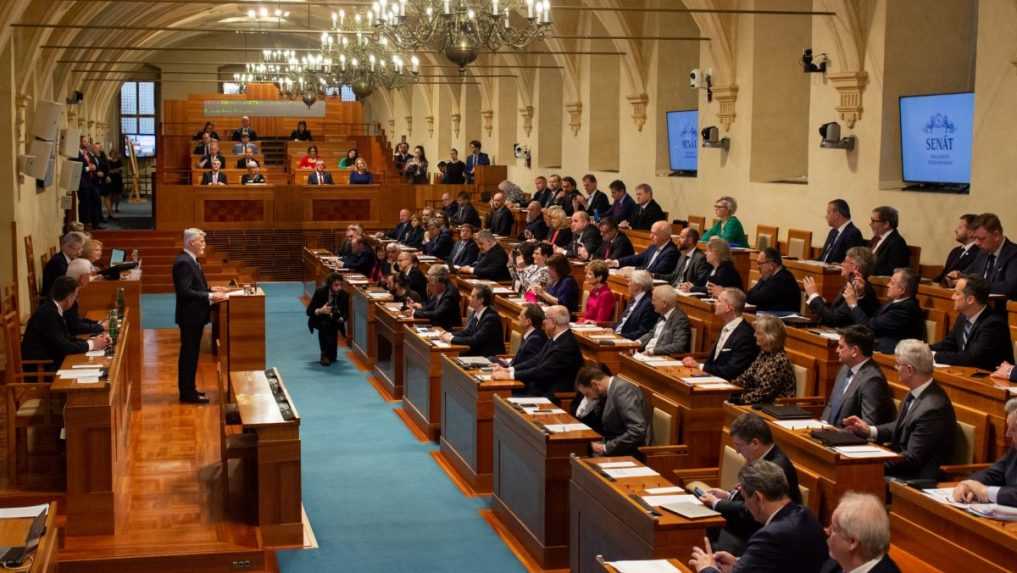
x=690, y=510
x=832, y=438
x=784, y=412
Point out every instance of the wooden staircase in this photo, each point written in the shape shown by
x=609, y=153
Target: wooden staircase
x=158, y=250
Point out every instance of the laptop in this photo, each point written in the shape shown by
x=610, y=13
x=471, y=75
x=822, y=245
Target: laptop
x=116, y=257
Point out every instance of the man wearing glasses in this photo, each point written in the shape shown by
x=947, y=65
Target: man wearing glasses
x=889, y=248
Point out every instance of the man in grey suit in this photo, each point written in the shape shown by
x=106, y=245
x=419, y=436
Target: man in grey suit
x=997, y=483
x=692, y=263
x=924, y=428
x=623, y=416
x=671, y=335
x=860, y=388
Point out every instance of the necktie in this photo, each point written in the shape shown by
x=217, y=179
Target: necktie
x=837, y=396
x=990, y=263
x=873, y=242
x=831, y=240
x=459, y=249
x=903, y=414
x=625, y=316
x=607, y=249
x=968, y=325
x=654, y=257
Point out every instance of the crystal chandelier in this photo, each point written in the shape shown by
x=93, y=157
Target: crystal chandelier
x=363, y=58
x=459, y=29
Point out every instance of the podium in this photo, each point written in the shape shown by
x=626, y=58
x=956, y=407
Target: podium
x=487, y=178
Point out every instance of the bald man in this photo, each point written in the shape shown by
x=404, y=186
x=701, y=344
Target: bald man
x=659, y=258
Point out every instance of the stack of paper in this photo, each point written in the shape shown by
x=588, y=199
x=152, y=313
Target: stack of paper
x=648, y=566
x=528, y=401
x=610, y=465
x=802, y=424
x=864, y=452
x=641, y=471
x=562, y=428
x=659, y=500
x=697, y=380
x=663, y=490
x=22, y=512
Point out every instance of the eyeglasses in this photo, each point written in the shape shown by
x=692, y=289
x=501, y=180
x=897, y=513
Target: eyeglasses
x=876, y=220
x=720, y=206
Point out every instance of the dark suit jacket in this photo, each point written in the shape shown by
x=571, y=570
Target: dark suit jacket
x=837, y=244
x=725, y=275
x=1003, y=274
x=623, y=419
x=78, y=324
x=924, y=436
x=442, y=310
x=738, y=352
x=397, y=232
x=206, y=161
x=440, y=246
x=664, y=263
x=485, y=337
x=191, y=290
x=554, y=369
x=492, y=265
x=598, y=203
x=248, y=179
x=885, y=565
x=326, y=178
x=467, y=214
x=472, y=163
x=48, y=338
x=643, y=217
x=740, y=523
x=239, y=132
x=893, y=254
x=642, y=319
x=793, y=542
x=362, y=262
x=417, y=280
x=560, y=237
x=544, y=197
x=1002, y=474
x=242, y=163
x=566, y=291
x=464, y=253
x=868, y=397
x=206, y=178
x=780, y=292
x=988, y=345
x=589, y=238
x=957, y=260
x=893, y=322
x=537, y=228
x=54, y=269
x=530, y=347
x=412, y=237
x=838, y=313
x=617, y=248
x=501, y=221
x=691, y=268
x=621, y=210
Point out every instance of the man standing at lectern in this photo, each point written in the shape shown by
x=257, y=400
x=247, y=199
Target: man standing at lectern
x=194, y=301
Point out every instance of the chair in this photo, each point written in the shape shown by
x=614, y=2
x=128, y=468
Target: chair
x=234, y=444
x=698, y=223
x=661, y=452
x=766, y=236
x=916, y=258
x=935, y=325
x=44, y=259
x=697, y=334
x=33, y=283
x=799, y=244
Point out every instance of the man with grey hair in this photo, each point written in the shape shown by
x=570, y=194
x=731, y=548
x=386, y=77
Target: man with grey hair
x=899, y=318
x=555, y=367
x=70, y=249
x=536, y=227
x=855, y=270
x=638, y=318
x=736, y=346
x=859, y=536
x=791, y=539
x=194, y=299
x=513, y=193
x=998, y=483
x=442, y=307
x=492, y=264
x=924, y=428
x=659, y=258
x=671, y=334
x=80, y=270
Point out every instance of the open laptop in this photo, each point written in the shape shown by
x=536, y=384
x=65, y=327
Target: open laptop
x=116, y=256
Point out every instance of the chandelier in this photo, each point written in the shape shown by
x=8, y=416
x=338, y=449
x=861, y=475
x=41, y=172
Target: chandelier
x=459, y=29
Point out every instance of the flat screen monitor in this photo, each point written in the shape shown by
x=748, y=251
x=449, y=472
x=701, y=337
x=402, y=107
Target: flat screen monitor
x=116, y=256
x=936, y=137
x=144, y=145
x=683, y=140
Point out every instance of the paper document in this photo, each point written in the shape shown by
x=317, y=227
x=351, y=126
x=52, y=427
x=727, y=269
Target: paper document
x=379, y=295
x=649, y=359
x=642, y=471
x=802, y=424
x=535, y=412
x=695, y=380
x=522, y=401
x=944, y=495
x=609, y=465
x=238, y=292
x=24, y=511
x=689, y=293
x=663, y=490
x=93, y=380
x=717, y=386
x=562, y=428
x=659, y=500
x=864, y=452
x=90, y=366
x=474, y=361
x=668, y=363
x=95, y=353
x=994, y=511
x=73, y=373
x=583, y=326
x=502, y=290
x=648, y=566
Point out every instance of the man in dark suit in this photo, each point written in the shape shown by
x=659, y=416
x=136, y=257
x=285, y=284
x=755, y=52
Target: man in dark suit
x=860, y=389
x=362, y=259
x=466, y=214
x=997, y=483
x=554, y=369
x=843, y=233
x=963, y=254
x=855, y=270
x=542, y=194
x=442, y=307
x=777, y=289
x=790, y=540
x=536, y=227
x=924, y=429
x=492, y=264
x=501, y=220
x=622, y=414
x=899, y=318
x=614, y=244
x=659, y=258
x=484, y=333
x=736, y=346
x=47, y=336
x=465, y=251
x=622, y=204
x=324, y=314
x=80, y=270
x=889, y=248
x=194, y=300
x=567, y=196
x=440, y=242
x=70, y=249
x=475, y=158
x=449, y=207
x=531, y=320
x=997, y=260
x=319, y=176
x=979, y=337
x=597, y=204
x=691, y=266
x=671, y=334
x=215, y=176
x=859, y=536
x=244, y=129
x=638, y=318
x=585, y=237
x=211, y=155
x=399, y=230
x=752, y=439
x=646, y=212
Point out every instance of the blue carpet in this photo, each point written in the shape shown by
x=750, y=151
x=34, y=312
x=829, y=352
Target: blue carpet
x=376, y=499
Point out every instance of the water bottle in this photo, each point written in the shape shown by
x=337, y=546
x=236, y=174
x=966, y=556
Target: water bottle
x=120, y=302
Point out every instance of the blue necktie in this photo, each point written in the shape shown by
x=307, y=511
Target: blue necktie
x=831, y=240
x=837, y=396
x=628, y=311
x=968, y=325
x=990, y=262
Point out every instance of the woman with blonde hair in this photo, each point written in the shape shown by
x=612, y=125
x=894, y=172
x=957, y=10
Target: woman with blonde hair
x=723, y=272
x=92, y=252
x=727, y=226
x=559, y=233
x=771, y=375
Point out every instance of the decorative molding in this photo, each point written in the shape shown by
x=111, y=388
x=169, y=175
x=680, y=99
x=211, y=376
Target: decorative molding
x=527, y=114
x=639, y=102
x=456, y=120
x=409, y=125
x=20, y=118
x=488, y=116
x=849, y=86
x=429, y=122
x=726, y=96
x=575, y=111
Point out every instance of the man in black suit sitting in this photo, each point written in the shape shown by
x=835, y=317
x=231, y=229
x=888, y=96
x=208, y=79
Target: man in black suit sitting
x=501, y=220
x=399, y=230
x=442, y=307
x=484, y=333
x=889, y=248
x=215, y=176
x=439, y=240
x=554, y=369
x=998, y=483
x=597, y=203
x=752, y=439
x=843, y=233
x=790, y=539
x=81, y=271
x=531, y=321
x=622, y=412
x=362, y=258
x=859, y=536
x=659, y=258
x=319, y=176
x=979, y=337
x=736, y=346
x=963, y=254
x=244, y=129
x=492, y=264
x=466, y=214
x=899, y=318
x=542, y=193
x=855, y=270
x=638, y=318
x=614, y=244
x=585, y=237
x=646, y=212
x=859, y=389
x=47, y=336
x=924, y=429
x=777, y=289
x=465, y=251
x=194, y=300
x=70, y=249
x=536, y=227
x=997, y=258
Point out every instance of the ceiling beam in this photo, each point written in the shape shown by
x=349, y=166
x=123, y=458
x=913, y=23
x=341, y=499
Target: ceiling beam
x=239, y=63
x=258, y=50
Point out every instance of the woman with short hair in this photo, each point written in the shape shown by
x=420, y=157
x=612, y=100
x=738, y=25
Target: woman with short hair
x=600, y=303
x=727, y=226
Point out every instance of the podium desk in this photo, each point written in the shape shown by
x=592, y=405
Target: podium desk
x=828, y=278
x=97, y=420
x=351, y=282
x=467, y=417
x=239, y=331
x=389, y=333
x=820, y=344
x=101, y=294
x=531, y=479
x=609, y=517
x=602, y=346
x=950, y=538
x=364, y=318
x=1011, y=314
x=692, y=414
x=14, y=531
x=318, y=263
x=422, y=379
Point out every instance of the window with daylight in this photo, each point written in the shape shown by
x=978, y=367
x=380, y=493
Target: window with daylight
x=137, y=116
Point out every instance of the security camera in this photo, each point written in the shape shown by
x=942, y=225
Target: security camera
x=831, y=139
x=814, y=64
x=695, y=80
x=517, y=151
x=702, y=79
x=711, y=138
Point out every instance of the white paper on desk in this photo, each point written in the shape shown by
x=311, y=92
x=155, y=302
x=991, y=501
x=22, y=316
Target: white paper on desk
x=95, y=353
x=379, y=295
x=642, y=471
x=535, y=412
x=395, y=306
x=659, y=500
x=649, y=359
x=562, y=428
x=993, y=511
x=864, y=452
x=484, y=377
x=238, y=292
x=93, y=380
x=90, y=366
x=717, y=386
x=522, y=401
x=647, y=566
x=697, y=380
x=663, y=490
x=583, y=326
x=793, y=315
x=609, y=465
x=502, y=290
x=689, y=293
x=73, y=373
x=802, y=424
x=24, y=511
x=944, y=495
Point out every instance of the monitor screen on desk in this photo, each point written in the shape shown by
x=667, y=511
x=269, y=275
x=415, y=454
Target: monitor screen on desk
x=936, y=138
x=683, y=140
x=116, y=257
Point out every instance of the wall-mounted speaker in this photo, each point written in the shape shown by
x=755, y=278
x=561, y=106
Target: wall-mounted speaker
x=70, y=175
x=46, y=120
x=70, y=141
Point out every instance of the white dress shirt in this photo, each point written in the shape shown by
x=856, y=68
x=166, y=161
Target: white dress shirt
x=725, y=333
x=657, y=330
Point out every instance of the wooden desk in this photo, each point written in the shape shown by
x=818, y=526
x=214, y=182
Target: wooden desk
x=676, y=563
x=467, y=418
x=351, y=282
x=607, y=356
x=509, y=307
x=318, y=264
x=835, y=474
x=273, y=417
x=828, y=278
x=1011, y=313
x=422, y=380
x=239, y=324
x=811, y=342
x=14, y=531
x=97, y=420
x=604, y=519
x=364, y=320
x=696, y=414
x=950, y=538
x=389, y=338
x=101, y=294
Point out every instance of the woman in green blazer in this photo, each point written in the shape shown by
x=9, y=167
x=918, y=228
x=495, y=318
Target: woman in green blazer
x=727, y=227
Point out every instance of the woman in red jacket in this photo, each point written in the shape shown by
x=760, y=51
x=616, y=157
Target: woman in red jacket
x=600, y=303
